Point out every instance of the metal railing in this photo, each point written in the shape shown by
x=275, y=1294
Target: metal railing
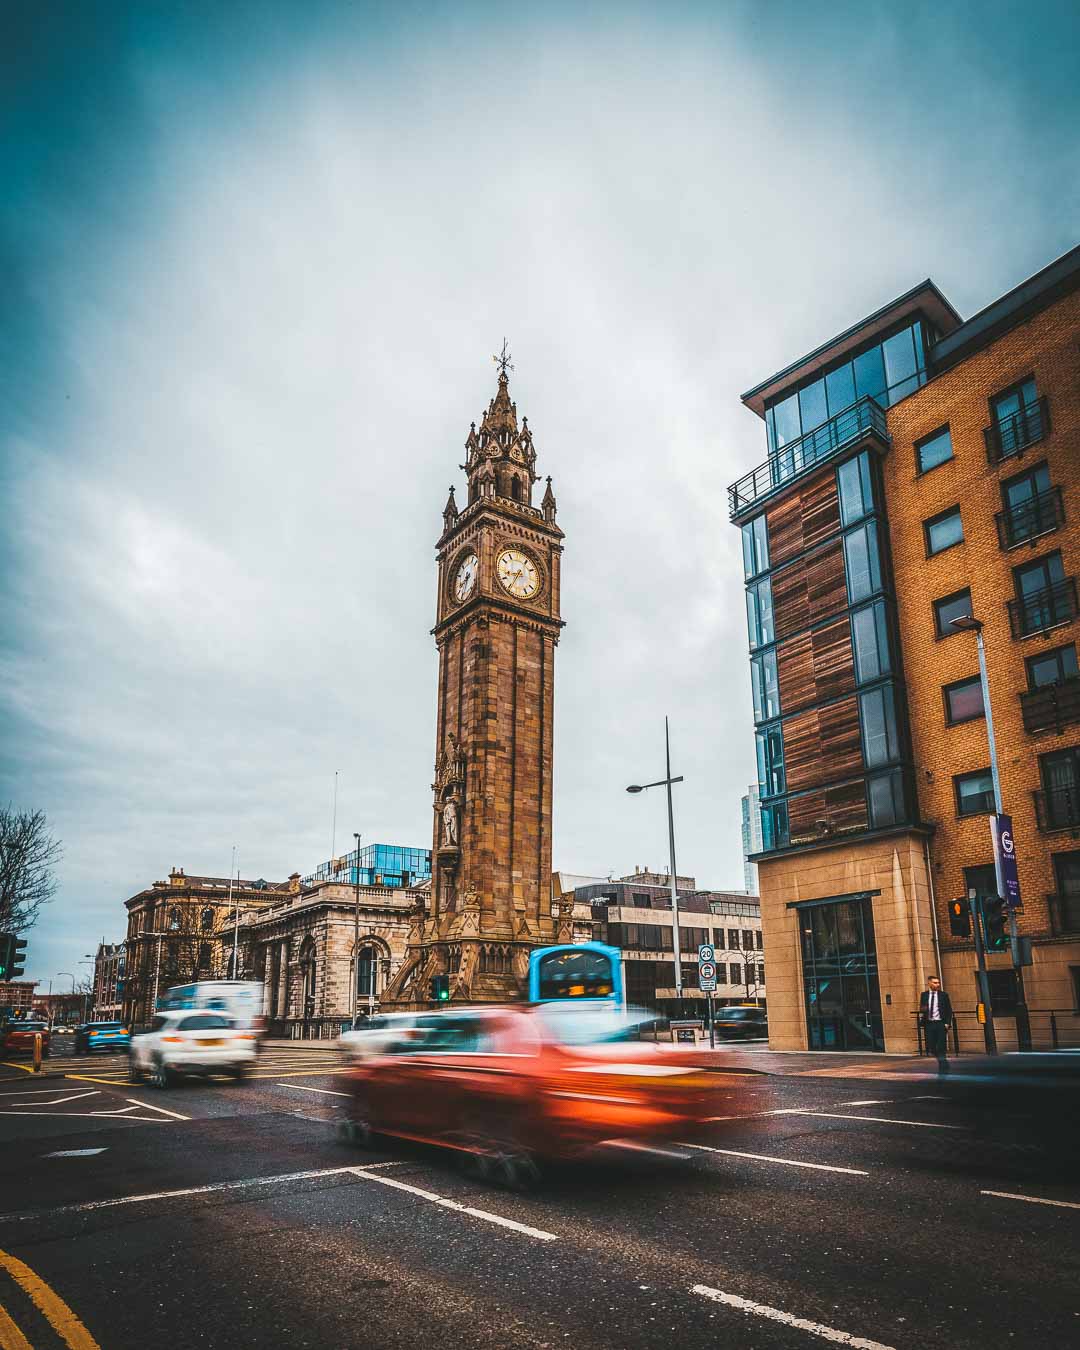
x=1051, y=1029
x=1025, y=522
x=1064, y=913
x=1058, y=808
x=1052, y=707
x=1011, y=435
x=1038, y=610
x=863, y=419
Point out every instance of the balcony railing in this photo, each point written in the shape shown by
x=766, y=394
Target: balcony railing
x=1039, y=610
x=1026, y=522
x=863, y=419
x=1064, y=913
x=1012, y=435
x=1052, y=707
x=1058, y=808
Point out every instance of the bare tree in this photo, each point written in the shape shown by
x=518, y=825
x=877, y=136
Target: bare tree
x=28, y=855
x=196, y=938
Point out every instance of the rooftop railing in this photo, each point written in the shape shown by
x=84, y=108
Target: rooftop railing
x=1009, y=436
x=863, y=419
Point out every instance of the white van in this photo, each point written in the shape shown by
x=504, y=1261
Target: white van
x=240, y=1000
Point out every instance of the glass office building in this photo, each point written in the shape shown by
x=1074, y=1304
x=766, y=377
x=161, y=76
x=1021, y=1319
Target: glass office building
x=376, y=865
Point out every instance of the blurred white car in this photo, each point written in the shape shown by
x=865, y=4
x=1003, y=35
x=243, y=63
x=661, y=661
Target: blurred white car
x=375, y=1035
x=185, y=1042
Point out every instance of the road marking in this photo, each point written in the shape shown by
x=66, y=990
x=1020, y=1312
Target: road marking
x=11, y=1338
x=776, y=1315
x=300, y=1073
x=872, y=1101
x=646, y=1148
x=82, y=1115
x=1033, y=1199
x=74, y=1097
x=874, y=1120
x=63, y=1321
x=87, y=1205
x=76, y=1153
x=26, y=1068
x=148, y=1106
x=323, y=1092
x=460, y=1208
x=88, y=1078
x=787, y=1162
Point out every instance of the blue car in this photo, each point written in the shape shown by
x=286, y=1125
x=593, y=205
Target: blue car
x=106, y=1037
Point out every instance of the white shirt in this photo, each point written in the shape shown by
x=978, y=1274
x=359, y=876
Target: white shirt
x=934, y=1011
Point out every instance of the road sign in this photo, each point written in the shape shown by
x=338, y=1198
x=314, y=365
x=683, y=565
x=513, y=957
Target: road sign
x=707, y=976
x=705, y=952
x=1005, y=860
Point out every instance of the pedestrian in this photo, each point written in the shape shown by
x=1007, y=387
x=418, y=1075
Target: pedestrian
x=936, y=1015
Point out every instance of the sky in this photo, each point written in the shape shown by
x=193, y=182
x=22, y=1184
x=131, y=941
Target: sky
x=257, y=258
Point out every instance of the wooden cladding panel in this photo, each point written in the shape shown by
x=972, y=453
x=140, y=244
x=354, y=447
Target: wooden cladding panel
x=809, y=590
x=843, y=809
x=816, y=666
x=803, y=519
x=822, y=744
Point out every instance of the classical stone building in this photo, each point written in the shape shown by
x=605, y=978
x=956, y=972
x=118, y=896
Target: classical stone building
x=497, y=625
x=309, y=945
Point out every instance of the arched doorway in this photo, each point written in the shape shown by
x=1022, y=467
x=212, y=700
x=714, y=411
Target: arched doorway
x=367, y=977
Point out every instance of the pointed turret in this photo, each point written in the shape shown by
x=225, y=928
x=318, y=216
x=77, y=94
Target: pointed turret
x=548, y=504
x=450, y=511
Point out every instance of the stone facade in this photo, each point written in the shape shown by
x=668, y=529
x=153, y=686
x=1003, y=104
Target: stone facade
x=497, y=625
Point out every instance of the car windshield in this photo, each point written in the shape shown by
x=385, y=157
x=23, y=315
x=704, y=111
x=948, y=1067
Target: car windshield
x=105, y=1026
x=727, y=1013
x=28, y=1026
x=571, y=1024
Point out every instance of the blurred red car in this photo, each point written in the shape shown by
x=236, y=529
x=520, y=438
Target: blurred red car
x=17, y=1038
x=515, y=1085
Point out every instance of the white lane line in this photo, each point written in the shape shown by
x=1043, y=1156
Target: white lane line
x=460, y=1208
x=146, y=1196
x=148, y=1106
x=777, y=1315
x=872, y=1101
x=874, y=1120
x=323, y=1092
x=120, y=1111
x=633, y=1147
x=75, y=1153
x=1033, y=1199
x=786, y=1162
x=74, y=1097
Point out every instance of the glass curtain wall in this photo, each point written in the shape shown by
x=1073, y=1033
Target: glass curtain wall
x=840, y=976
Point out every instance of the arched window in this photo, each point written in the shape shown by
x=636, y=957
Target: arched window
x=207, y=919
x=515, y=489
x=174, y=917
x=204, y=956
x=367, y=973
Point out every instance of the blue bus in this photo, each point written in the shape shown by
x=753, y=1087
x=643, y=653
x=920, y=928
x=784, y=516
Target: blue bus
x=576, y=970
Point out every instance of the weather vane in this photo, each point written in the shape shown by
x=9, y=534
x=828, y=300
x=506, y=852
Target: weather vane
x=503, y=359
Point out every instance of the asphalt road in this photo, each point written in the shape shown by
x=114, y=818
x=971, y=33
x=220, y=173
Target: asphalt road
x=865, y=1213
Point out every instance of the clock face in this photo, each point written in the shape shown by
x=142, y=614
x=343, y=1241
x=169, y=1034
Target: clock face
x=517, y=573
x=465, y=576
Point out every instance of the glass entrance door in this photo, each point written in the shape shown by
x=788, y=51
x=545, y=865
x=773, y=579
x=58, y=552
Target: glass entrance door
x=843, y=1002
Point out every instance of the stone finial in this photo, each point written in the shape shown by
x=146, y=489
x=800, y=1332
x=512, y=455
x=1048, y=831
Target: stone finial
x=450, y=511
x=548, y=504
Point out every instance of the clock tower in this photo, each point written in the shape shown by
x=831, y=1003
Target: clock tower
x=496, y=629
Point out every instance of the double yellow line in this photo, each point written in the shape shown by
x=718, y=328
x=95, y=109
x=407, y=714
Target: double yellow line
x=60, y=1317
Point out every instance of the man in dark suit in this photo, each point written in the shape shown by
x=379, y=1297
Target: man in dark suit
x=936, y=1015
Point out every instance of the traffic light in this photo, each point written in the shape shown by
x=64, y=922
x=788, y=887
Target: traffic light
x=18, y=958
x=959, y=918
x=995, y=923
x=440, y=989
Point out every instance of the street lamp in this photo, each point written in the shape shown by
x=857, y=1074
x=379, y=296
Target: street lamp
x=667, y=782
x=967, y=623
x=356, y=929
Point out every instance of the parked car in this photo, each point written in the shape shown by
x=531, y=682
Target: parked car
x=741, y=1023
x=184, y=1042
x=109, y=1037
x=510, y=1087
x=17, y=1038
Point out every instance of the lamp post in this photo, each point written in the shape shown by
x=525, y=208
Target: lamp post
x=667, y=782
x=71, y=978
x=969, y=624
x=234, y=974
x=356, y=929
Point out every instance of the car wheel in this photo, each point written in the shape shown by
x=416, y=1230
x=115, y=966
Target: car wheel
x=159, y=1074
x=355, y=1129
x=239, y=1072
x=135, y=1073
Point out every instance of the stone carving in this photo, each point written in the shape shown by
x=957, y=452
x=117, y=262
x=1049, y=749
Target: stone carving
x=450, y=823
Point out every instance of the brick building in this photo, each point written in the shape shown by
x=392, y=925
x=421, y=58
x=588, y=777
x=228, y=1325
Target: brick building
x=108, y=1002
x=921, y=469
x=17, y=995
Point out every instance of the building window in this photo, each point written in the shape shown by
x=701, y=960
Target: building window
x=974, y=793
x=1003, y=994
x=1065, y=903
x=933, y=450
x=885, y=799
x=856, y=488
x=949, y=607
x=736, y=974
x=1017, y=420
x=1052, y=667
x=770, y=760
x=862, y=563
x=943, y=531
x=641, y=901
x=1060, y=773
x=759, y=941
x=207, y=919
x=748, y=940
x=1042, y=597
x=766, y=685
x=877, y=714
x=761, y=973
x=733, y=939
x=759, y=613
x=204, y=956
x=1030, y=506
x=718, y=938
x=755, y=547
x=870, y=643
x=963, y=700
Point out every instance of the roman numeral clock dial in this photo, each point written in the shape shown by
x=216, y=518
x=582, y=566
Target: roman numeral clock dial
x=518, y=574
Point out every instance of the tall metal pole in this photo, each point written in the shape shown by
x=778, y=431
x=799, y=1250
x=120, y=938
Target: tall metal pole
x=356, y=929
x=1023, y=1021
x=674, y=886
x=989, y=1035
x=236, y=914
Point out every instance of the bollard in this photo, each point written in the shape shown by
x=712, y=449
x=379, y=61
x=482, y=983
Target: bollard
x=37, y=1051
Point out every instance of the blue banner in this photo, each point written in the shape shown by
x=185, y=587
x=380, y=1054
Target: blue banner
x=1008, y=879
